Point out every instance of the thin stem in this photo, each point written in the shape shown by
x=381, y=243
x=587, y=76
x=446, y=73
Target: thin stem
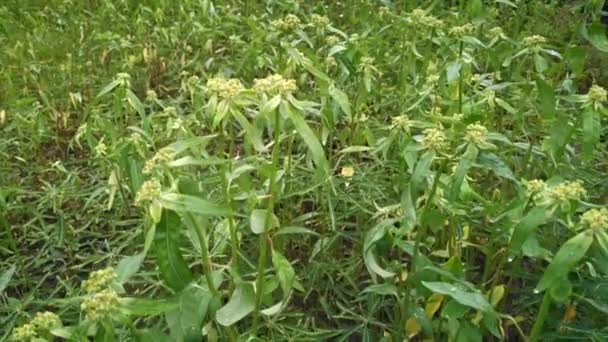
x=424, y=227
x=226, y=168
x=265, y=237
x=206, y=259
x=460, y=78
x=541, y=317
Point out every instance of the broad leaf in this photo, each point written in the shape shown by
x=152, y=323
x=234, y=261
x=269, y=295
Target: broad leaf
x=238, y=307
x=188, y=203
x=284, y=270
x=527, y=226
x=571, y=252
x=465, y=163
x=173, y=268
x=471, y=299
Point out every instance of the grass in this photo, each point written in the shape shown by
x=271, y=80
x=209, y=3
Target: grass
x=279, y=170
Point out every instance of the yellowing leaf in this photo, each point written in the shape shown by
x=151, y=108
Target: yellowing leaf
x=347, y=171
x=497, y=294
x=433, y=304
x=412, y=328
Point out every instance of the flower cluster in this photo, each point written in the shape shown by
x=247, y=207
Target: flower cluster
x=101, y=149
x=162, y=157
x=226, y=89
x=401, y=122
x=151, y=95
x=434, y=139
x=535, y=186
x=99, y=280
x=595, y=97
x=274, y=84
x=461, y=31
x=476, y=134
x=332, y=40
x=596, y=219
x=42, y=323
x=567, y=191
x=46, y=321
x=419, y=17
x=25, y=332
x=534, y=41
x=496, y=33
x=149, y=191
x=289, y=23
x=100, y=305
x=319, y=21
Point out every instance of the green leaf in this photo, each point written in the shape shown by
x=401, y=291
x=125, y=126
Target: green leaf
x=341, y=98
x=186, y=320
x=188, y=203
x=257, y=221
x=492, y=162
x=421, y=171
x=369, y=258
x=560, y=134
x=571, y=252
x=284, y=270
x=468, y=332
x=238, y=307
x=576, y=56
x=591, y=133
x=384, y=289
x=128, y=266
x=136, y=103
x=251, y=132
x=146, y=307
x=6, y=278
x=270, y=106
x=473, y=300
x=409, y=209
x=453, y=71
x=546, y=98
x=561, y=290
x=527, y=226
x=171, y=263
x=597, y=36
x=309, y=137
x=108, y=88
x=295, y=230
x=464, y=164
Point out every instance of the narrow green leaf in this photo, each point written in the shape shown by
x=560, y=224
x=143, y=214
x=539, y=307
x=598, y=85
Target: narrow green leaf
x=251, y=132
x=6, y=278
x=571, y=252
x=527, y=226
x=474, y=300
x=369, y=258
x=238, y=307
x=188, y=203
x=597, y=36
x=146, y=307
x=128, y=266
x=492, y=162
x=546, y=97
x=309, y=137
x=421, y=171
x=135, y=103
x=464, y=164
x=341, y=98
x=284, y=270
x=108, y=88
x=173, y=268
x=591, y=133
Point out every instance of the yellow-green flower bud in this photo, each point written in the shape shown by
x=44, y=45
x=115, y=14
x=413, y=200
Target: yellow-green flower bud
x=476, y=134
x=46, y=321
x=99, y=280
x=100, y=305
x=534, y=41
x=596, y=219
x=433, y=139
x=148, y=192
x=25, y=332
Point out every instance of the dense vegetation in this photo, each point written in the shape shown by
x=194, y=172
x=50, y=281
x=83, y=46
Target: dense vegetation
x=303, y=170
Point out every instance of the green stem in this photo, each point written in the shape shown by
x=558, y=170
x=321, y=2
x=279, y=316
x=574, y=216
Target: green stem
x=540, y=318
x=265, y=237
x=206, y=259
x=424, y=227
x=460, y=78
x=234, y=244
